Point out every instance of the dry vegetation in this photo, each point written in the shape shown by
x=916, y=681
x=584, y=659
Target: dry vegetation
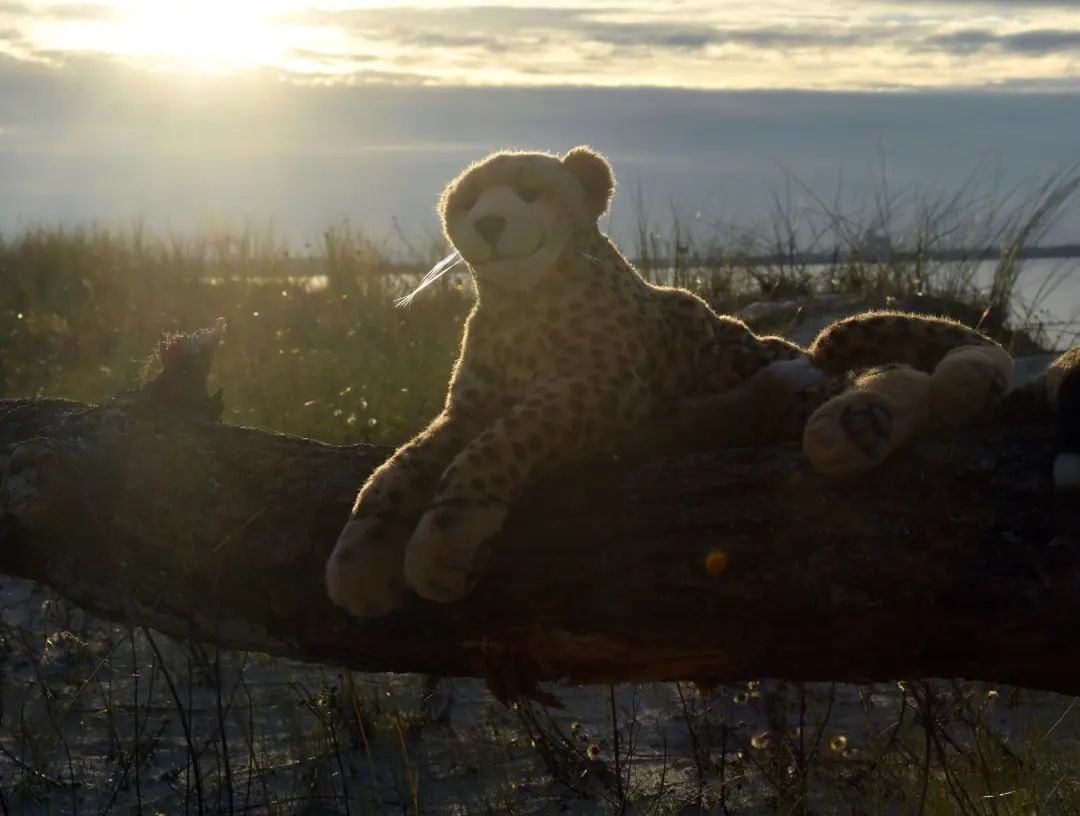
x=96, y=718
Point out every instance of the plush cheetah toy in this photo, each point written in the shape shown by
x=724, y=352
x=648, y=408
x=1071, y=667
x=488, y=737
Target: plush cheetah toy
x=568, y=350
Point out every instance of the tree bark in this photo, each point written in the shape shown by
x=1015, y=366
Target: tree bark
x=942, y=563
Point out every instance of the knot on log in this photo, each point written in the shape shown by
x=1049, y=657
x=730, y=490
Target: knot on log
x=181, y=387
x=512, y=668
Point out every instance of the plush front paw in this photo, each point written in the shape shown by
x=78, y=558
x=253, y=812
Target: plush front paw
x=365, y=572
x=446, y=555
x=968, y=381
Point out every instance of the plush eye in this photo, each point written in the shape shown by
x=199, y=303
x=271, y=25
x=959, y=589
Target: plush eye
x=528, y=194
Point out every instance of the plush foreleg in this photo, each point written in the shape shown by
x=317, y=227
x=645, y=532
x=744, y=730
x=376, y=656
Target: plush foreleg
x=365, y=573
x=559, y=423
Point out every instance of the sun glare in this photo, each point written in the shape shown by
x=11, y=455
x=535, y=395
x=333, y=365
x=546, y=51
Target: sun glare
x=204, y=33
x=198, y=34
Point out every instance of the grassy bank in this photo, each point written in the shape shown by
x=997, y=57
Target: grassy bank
x=81, y=312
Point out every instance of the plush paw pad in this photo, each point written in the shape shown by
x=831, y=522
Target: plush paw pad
x=446, y=555
x=860, y=428
x=968, y=381
x=365, y=572
x=868, y=426
x=848, y=436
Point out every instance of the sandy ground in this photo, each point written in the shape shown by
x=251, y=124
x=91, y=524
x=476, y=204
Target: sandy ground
x=80, y=703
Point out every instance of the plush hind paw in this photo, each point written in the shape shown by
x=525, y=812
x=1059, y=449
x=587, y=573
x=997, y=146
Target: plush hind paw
x=853, y=437
x=968, y=381
x=446, y=555
x=365, y=572
x=858, y=429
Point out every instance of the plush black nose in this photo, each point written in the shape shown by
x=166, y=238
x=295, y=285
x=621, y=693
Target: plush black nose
x=490, y=227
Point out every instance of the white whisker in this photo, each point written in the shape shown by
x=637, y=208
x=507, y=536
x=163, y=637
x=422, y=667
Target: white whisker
x=433, y=274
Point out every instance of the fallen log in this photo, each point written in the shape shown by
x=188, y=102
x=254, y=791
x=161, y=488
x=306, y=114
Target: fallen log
x=706, y=566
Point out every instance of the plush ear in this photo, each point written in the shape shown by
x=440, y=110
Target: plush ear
x=594, y=173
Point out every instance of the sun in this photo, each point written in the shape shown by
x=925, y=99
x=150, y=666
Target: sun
x=203, y=33
x=211, y=35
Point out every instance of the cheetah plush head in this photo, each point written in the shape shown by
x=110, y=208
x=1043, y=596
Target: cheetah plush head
x=513, y=215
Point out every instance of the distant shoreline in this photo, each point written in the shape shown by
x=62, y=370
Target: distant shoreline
x=1061, y=251
x=315, y=265
x=1056, y=252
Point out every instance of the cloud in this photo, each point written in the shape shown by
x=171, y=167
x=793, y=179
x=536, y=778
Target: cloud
x=1037, y=42
x=492, y=27
x=736, y=45
x=79, y=11
x=1042, y=41
x=776, y=37
x=491, y=18
x=439, y=40
x=61, y=11
x=889, y=46
x=1010, y=4
x=677, y=36
x=968, y=41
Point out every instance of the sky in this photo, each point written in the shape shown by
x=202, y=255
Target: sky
x=247, y=112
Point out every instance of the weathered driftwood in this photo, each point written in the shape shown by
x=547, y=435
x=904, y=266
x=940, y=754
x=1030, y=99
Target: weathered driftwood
x=940, y=564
